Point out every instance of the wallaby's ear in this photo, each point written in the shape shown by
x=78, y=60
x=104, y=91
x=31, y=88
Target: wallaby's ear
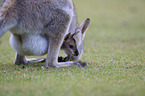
x=84, y=26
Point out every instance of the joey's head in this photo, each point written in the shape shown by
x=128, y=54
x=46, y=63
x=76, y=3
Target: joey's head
x=73, y=43
x=69, y=45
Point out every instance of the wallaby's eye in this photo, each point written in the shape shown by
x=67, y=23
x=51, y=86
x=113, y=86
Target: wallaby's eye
x=71, y=46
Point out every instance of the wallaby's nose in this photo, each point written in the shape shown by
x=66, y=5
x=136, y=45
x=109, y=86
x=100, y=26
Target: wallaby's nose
x=76, y=53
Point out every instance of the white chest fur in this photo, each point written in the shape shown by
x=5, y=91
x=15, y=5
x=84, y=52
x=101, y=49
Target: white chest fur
x=34, y=44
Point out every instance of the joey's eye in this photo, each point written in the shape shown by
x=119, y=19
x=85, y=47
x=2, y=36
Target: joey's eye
x=71, y=46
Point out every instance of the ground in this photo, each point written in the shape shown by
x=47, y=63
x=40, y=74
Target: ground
x=114, y=48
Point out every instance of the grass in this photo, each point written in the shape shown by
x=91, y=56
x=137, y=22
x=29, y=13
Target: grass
x=114, y=48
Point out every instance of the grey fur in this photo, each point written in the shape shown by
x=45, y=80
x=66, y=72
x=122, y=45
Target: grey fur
x=39, y=27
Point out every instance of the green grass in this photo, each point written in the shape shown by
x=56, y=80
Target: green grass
x=114, y=48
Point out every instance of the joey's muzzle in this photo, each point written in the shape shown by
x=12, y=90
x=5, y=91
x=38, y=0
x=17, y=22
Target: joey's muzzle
x=76, y=53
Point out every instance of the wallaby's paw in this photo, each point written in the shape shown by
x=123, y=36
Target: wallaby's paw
x=81, y=64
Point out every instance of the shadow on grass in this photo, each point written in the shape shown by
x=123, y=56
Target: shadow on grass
x=31, y=65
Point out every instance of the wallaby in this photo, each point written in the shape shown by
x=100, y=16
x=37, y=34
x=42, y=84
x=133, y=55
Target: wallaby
x=41, y=27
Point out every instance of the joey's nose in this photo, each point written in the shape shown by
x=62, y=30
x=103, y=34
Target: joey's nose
x=76, y=53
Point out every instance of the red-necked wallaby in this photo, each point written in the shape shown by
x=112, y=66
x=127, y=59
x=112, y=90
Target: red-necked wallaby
x=41, y=27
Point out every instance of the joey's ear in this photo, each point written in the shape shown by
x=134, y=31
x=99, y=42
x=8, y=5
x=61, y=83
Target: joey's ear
x=67, y=36
x=84, y=26
x=75, y=34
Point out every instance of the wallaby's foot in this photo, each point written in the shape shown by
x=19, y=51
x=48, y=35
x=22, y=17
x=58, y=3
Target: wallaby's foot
x=28, y=61
x=19, y=59
x=19, y=62
x=34, y=60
